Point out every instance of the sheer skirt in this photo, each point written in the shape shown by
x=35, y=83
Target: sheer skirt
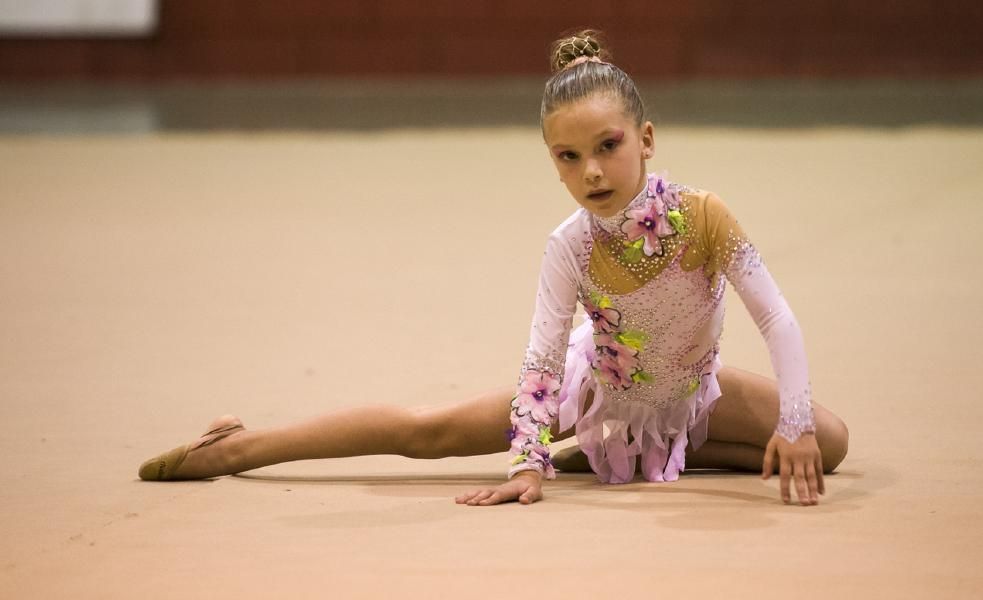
x=615, y=435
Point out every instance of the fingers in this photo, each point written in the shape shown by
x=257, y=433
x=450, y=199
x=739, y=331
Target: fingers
x=523, y=492
x=799, y=463
x=768, y=468
x=801, y=486
x=533, y=494
x=813, y=483
x=784, y=477
x=474, y=497
x=482, y=498
x=463, y=498
x=485, y=497
x=493, y=498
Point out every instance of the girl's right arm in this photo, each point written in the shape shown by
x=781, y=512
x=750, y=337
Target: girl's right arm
x=526, y=487
x=536, y=402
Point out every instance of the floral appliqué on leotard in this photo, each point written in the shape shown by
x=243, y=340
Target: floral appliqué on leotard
x=533, y=410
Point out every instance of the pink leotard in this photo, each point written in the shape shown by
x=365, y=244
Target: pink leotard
x=638, y=378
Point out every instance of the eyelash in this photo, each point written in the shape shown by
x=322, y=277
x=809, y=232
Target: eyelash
x=606, y=146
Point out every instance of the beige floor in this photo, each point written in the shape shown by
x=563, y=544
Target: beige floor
x=148, y=284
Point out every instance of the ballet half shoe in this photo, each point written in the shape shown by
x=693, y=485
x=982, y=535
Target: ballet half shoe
x=164, y=467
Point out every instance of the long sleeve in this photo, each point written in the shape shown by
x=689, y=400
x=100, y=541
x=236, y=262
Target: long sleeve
x=743, y=267
x=536, y=402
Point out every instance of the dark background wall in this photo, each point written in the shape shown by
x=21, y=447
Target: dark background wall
x=299, y=39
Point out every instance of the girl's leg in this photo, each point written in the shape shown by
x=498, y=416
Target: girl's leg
x=744, y=419
x=476, y=426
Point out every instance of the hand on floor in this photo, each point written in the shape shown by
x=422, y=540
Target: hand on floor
x=801, y=461
x=525, y=486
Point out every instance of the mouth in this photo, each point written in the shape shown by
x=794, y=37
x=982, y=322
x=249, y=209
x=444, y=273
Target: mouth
x=600, y=195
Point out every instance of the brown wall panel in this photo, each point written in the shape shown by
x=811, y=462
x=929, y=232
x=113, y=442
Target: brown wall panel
x=235, y=39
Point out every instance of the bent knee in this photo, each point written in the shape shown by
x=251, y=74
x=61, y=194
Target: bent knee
x=834, y=441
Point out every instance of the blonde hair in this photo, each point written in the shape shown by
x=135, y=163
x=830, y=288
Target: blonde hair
x=580, y=69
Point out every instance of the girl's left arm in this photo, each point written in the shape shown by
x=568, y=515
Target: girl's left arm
x=780, y=330
x=794, y=440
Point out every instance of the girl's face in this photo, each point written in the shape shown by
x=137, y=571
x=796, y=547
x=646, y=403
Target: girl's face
x=599, y=152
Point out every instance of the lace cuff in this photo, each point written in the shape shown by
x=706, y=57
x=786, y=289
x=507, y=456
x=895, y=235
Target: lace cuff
x=796, y=416
x=533, y=409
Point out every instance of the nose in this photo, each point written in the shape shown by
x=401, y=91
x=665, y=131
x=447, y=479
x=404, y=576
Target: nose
x=592, y=172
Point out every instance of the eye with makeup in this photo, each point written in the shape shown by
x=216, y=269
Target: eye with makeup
x=612, y=142
x=606, y=146
x=609, y=145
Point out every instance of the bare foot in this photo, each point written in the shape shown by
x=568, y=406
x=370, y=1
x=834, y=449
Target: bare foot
x=571, y=460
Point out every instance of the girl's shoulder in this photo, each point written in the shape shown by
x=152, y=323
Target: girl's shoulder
x=713, y=233
x=703, y=210
x=570, y=243
x=692, y=199
x=574, y=229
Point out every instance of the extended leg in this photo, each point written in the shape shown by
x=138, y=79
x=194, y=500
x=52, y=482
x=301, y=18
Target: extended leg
x=476, y=426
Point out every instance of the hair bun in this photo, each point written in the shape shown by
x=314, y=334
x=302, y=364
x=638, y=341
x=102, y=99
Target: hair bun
x=589, y=43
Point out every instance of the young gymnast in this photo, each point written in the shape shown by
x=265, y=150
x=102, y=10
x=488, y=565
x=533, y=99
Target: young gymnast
x=640, y=381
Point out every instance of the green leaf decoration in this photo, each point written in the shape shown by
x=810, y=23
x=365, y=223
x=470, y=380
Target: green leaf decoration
x=677, y=221
x=521, y=458
x=634, y=339
x=641, y=377
x=600, y=301
x=693, y=385
x=633, y=251
x=545, y=436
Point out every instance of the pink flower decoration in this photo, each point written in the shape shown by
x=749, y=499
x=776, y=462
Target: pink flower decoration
x=525, y=428
x=606, y=320
x=614, y=361
x=609, y=372
x=541, y=453
x=523, y=434
x=537, y=397
x=538, y=454
x=657, y=188
x=623, y=355
x=648, y=222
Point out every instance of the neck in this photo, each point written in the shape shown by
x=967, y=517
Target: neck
x=612, y=224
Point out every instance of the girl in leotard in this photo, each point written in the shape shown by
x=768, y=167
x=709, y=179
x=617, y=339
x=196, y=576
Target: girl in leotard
x=640, y=381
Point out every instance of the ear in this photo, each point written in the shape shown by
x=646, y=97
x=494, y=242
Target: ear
x=647, y=138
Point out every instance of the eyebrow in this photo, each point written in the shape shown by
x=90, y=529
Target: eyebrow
x=613, y=133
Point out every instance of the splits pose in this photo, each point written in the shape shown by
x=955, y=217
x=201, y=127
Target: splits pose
x=640, y=381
